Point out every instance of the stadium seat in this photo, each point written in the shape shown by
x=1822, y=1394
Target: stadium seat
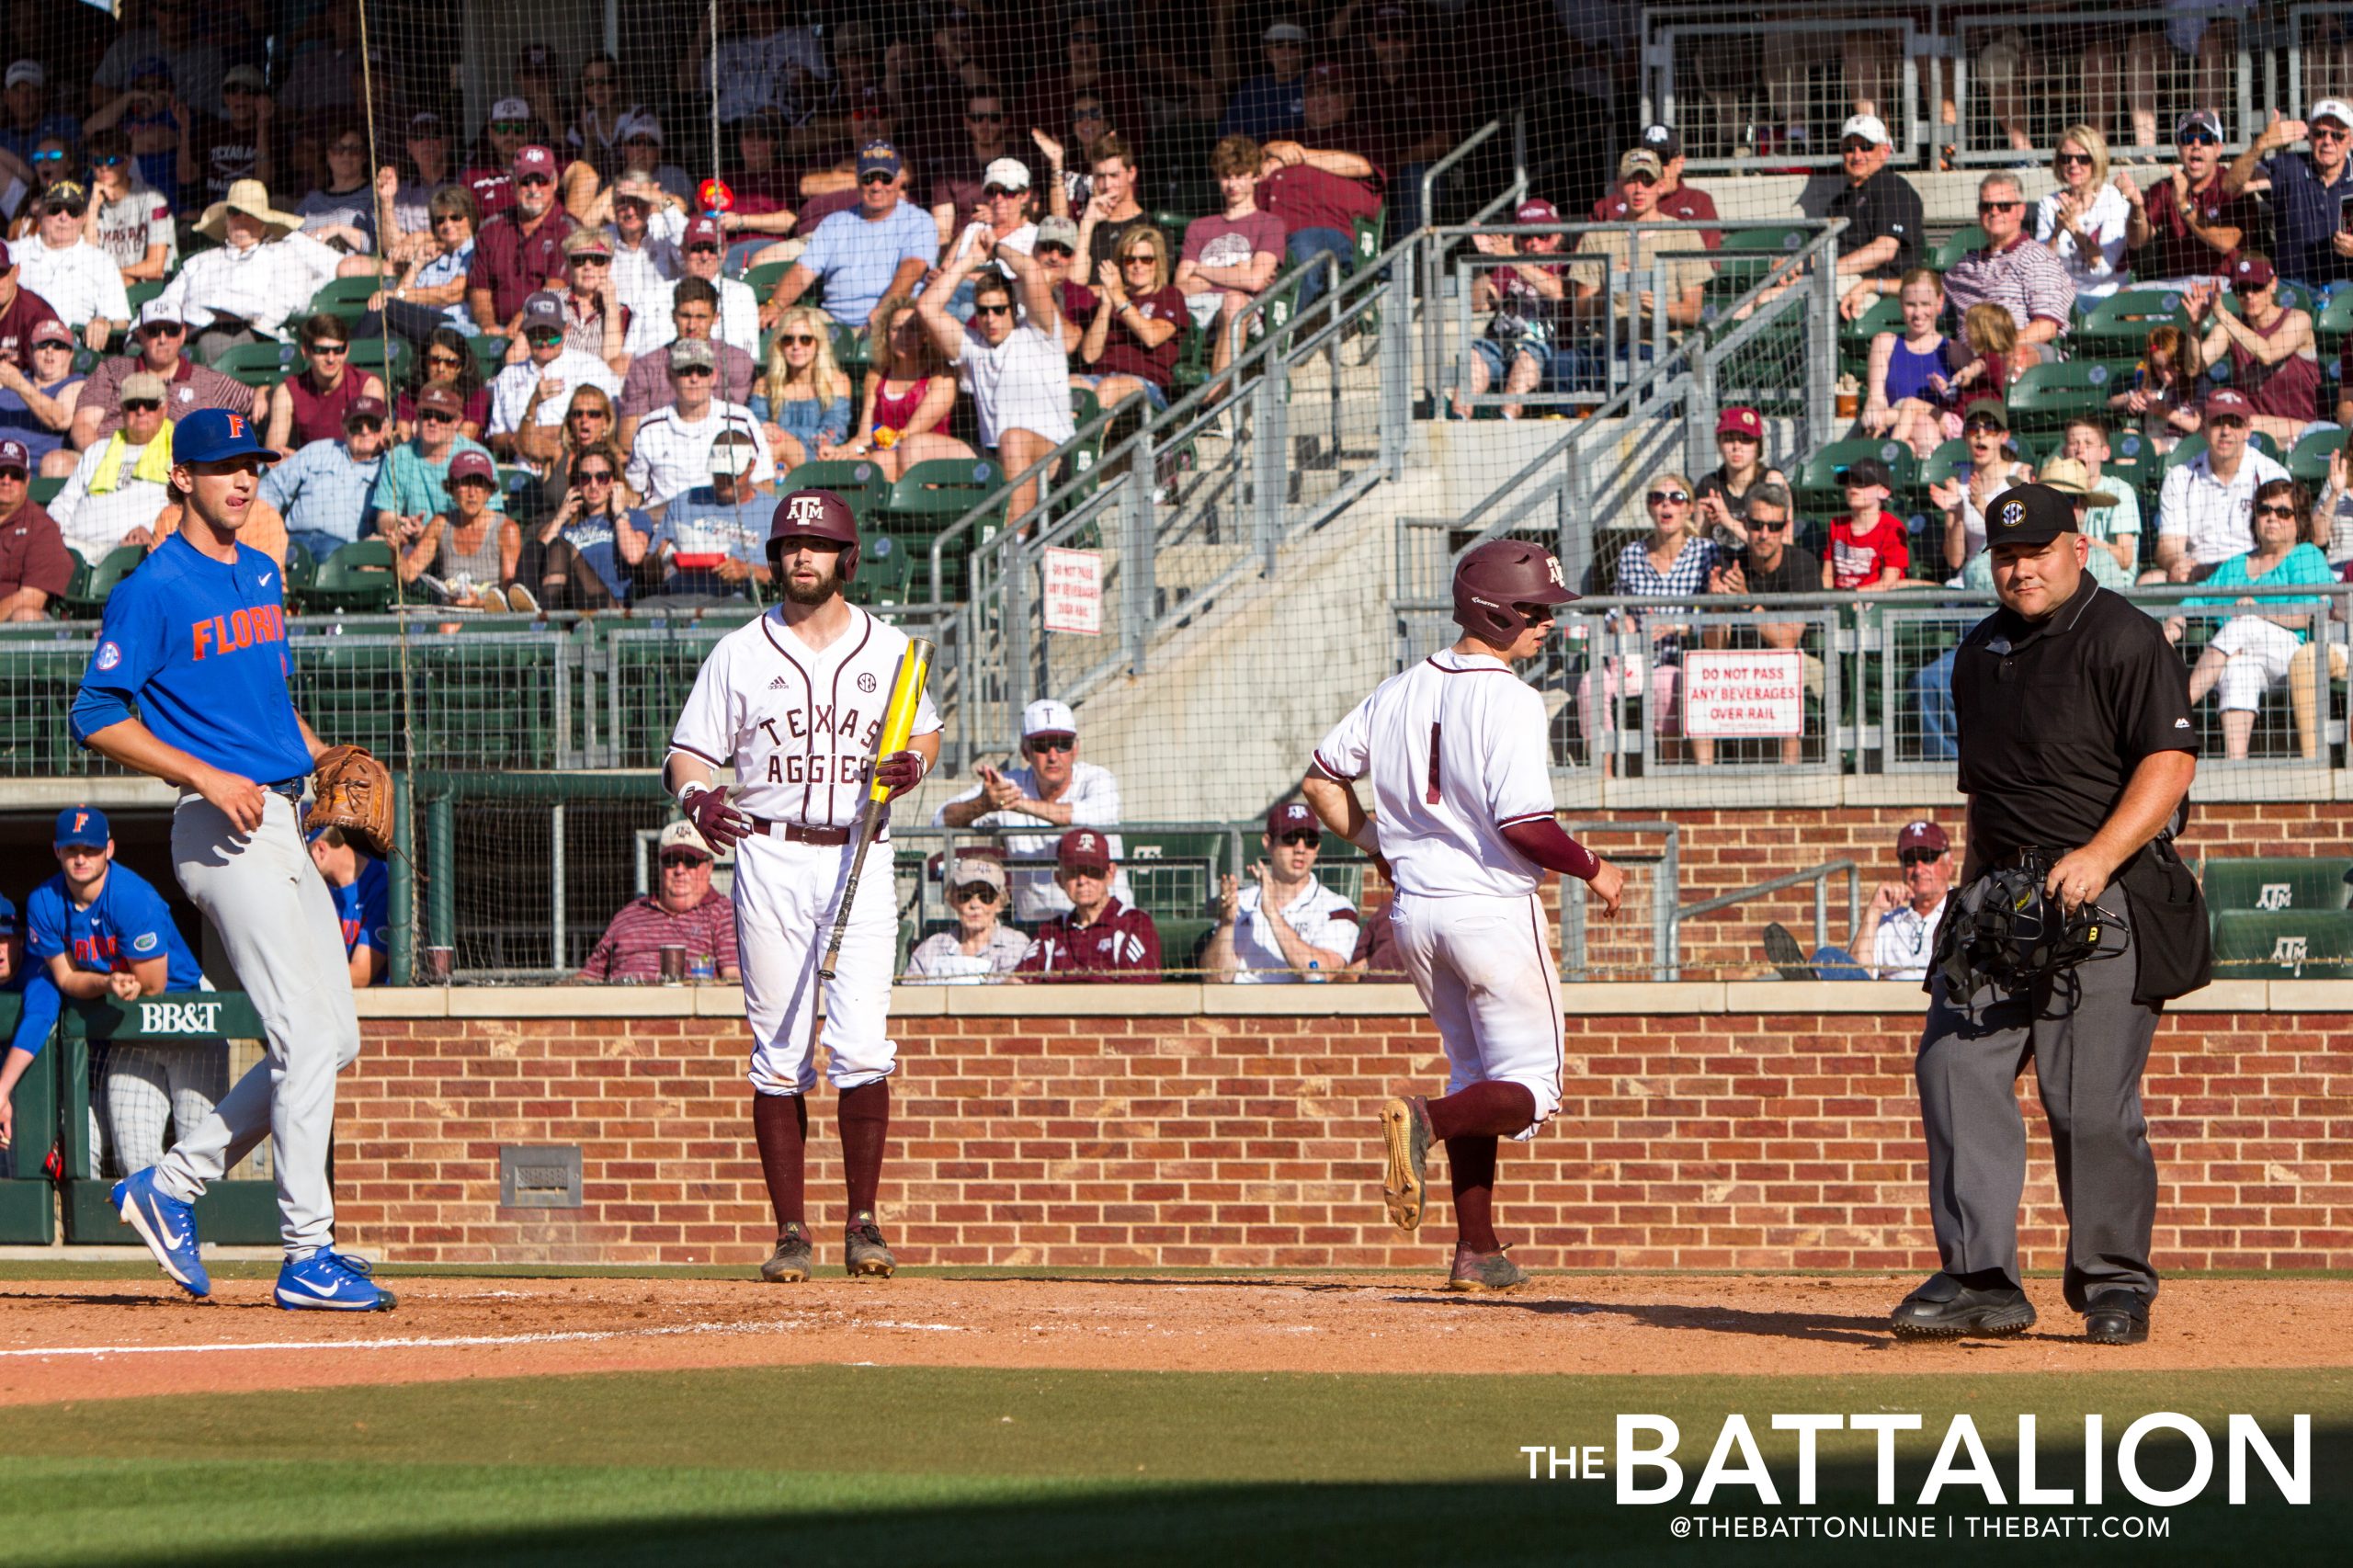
x=1748, y=254
x=1818, y=485
x=86, y=598
x=855, y=481
x=2334, y=321
x=344, y=297
x=1958, y=244
x=2191, y=447
x=2048, y=396
x=930, y=495
x=1855, y=336
x=2118, y=326
x=2256, y=945
x=43, y=491
x=764, y=277
x=1175, y=874
x=385, y=359
x=256, y=364
x=490, y=354
x=299, y=568
x=357, y=578
x=886, y=573
x=139, y=293
x=2308, y=461
x=2274, y=883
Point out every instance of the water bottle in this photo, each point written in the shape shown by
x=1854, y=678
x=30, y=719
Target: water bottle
x=702, y=968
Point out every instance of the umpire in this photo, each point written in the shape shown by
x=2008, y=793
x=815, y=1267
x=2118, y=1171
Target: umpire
x=2077, y=749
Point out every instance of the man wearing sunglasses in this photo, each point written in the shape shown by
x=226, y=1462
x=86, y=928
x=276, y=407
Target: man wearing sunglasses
x=2188, y=226
x=672, y=449
x=877, y=250
x=1885, y=219
x=2013, y=270
x=959, y=187
x=2312, y=241
x=1898, y=927
x=519, y=252
x=684, y=911
x=322, y=491
x=119, y=489
x=160, y=348
x=21, y=309
x=1051, y=787
x=1288, y=926
x=414, y=485
x=537, y=389
x=490, y=172
x=2205, y=505
x=35, y=565
x=1770, y=563
x=694, y=313
x=25, y=120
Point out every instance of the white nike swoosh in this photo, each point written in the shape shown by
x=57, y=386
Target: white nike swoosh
x=265, y=577
x=168, y=1239
x=334, y=1289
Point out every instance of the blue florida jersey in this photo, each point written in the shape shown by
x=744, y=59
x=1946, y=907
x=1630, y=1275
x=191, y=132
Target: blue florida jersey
x=365, y=907
x=196, y=648
x=126, y=924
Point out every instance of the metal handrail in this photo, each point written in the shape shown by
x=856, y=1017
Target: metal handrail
x=1819, y=875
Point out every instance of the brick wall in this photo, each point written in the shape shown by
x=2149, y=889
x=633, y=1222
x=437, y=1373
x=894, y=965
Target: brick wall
x=1706, y=1137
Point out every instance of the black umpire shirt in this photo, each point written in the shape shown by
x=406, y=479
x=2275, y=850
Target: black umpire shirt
x=2055, y=715
x=1883, y=207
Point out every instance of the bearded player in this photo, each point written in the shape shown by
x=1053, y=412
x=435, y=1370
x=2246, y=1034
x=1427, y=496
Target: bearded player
x=793, y=703
x=1462, y=794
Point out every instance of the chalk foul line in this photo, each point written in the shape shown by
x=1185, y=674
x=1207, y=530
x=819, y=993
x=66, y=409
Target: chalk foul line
x=449, y=1342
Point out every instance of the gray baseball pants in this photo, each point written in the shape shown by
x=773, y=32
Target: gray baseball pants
x=2089, y=1041
x=278, y=922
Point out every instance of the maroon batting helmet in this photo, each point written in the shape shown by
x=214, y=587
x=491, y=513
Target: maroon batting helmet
x=1491, y=582
x=816, y=514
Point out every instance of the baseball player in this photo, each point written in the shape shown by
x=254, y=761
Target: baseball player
x=1463, y=798
x=99, y=929
x=363, y=891
x=189, y=684
x=793, y=703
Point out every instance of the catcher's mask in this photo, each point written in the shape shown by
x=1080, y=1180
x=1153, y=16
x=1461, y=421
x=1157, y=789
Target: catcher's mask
x=2006, y=932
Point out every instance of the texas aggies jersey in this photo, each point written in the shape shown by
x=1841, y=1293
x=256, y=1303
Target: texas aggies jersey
x=1456, y=747
x=797, y=725
x=1121, y=945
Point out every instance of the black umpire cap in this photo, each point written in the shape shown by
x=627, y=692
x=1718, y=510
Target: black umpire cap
x=2029, y=514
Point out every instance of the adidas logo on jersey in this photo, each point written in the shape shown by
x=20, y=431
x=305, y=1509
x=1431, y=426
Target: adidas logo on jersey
x=779, y=684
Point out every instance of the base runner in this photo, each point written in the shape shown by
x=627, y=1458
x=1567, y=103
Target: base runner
x=188, y=685
x=1456, y=751
x=793, y=703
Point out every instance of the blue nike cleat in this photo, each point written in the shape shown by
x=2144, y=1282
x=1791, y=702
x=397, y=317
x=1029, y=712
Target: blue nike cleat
x=331, y=1281
x=167, y=1225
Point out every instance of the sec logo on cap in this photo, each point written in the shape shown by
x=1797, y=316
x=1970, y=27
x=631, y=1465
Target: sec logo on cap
x=2013, y=514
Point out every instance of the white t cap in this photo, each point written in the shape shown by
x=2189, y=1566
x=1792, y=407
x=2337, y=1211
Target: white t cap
x=2336, y=109
x=510, y=108
x=1048, y=717
x=1870, y=127
x=683, y=835
x=1011, y=174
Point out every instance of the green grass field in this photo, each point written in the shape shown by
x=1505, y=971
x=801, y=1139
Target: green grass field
x=871, y=1465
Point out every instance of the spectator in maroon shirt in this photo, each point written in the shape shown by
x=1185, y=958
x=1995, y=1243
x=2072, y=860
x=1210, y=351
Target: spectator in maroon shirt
x=1134, y=340
x=161, y=341
x=2189, y=226
x=1100, y=940
x=490, y=172
x=21, y=309
x=1675, y=199
x=519, y=252
x=35, y=566
x=764, y=190
x=1321, y=184
x=312, y=405
x=686, y=912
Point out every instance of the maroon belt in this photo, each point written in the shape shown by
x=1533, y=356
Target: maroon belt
x=798, y=832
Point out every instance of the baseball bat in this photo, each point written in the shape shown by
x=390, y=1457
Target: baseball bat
x=898, y=726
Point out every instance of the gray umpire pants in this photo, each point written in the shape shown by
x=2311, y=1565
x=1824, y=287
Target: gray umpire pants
x=277, y=923
x=2089, y=1041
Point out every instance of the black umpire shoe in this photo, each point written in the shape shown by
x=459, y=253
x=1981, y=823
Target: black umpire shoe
x=2116, y=1317
x=1947, y=1308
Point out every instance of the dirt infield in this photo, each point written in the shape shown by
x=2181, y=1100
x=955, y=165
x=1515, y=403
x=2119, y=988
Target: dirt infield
x=85, y=1340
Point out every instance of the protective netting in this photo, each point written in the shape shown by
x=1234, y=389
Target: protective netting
x=1537, y=265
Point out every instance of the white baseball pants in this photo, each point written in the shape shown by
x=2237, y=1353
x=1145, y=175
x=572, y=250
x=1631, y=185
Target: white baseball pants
x=1485, y=969
x=786, y=894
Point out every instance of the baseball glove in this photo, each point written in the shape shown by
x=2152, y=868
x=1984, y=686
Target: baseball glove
x=354, y=793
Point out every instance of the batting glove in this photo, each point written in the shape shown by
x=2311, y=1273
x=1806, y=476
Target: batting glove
x=721, y=825
x=899, y=772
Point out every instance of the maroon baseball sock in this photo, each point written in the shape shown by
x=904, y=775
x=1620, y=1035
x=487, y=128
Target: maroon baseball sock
x=1498, y=1109
x=1471, y=1166
x=782, y=1124
x=866, y=1123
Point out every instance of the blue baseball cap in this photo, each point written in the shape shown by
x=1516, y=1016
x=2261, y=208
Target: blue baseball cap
x=7, y=916
x=877, y=158
x=82, y=824
x=216, y=435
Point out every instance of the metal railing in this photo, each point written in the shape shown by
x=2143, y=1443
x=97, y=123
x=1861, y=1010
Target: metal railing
x=1737, y=86
x=1631, y=946
x=1818, y=876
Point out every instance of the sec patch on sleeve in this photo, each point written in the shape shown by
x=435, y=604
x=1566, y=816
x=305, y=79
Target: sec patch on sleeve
x=108, y=655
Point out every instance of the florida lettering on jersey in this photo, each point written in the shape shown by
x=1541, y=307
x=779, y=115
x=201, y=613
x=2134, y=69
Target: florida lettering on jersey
x=126, y=925
x=797, y=725
x=219, y=634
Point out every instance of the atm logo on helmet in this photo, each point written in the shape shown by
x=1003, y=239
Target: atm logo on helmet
x=179, y=1018
x=1553, y=570
x=808, y=509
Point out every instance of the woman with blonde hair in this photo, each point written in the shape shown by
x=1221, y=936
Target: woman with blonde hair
x=1134, y=341
x=1671, y=562
x=909, y=395
x=802, y=396
x=2084, y=219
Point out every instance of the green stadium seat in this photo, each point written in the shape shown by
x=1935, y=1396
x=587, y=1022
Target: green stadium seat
x=2049, y=395
x=299, y=568
x=2308, y=461
x=1817, y=482
x=764, y=277
x=1947, y=462
x=855, y=480
x=1748, y=254
x=43, y=491
x=139, y=293
x=356, y=579
x=86, y=596
x=930, y=495
x=1183, y=940
x=385, y=359
x=256, y=364
x=886, y=572
x=2276, y=883
x=2255, y=945
x=344, y=297
x=2118, y=326
x=1958, y=244
x=2334, y=321
x=490, y=354
x=1175, y=874
x=1855, y=336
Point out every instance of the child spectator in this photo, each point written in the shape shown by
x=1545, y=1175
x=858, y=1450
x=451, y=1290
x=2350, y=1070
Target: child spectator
x=2163, y=397
x=1231, y=255
x=1981, y=362
x=1867, y=554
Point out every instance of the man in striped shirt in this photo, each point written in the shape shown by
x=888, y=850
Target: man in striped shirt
x=687, y=912
x=2022, y=275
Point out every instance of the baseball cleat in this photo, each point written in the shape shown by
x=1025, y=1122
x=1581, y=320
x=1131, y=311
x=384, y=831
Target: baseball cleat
x=2116, y=1317
x=1944, y=1308
x=167, y=1225
x=867, y=1256
x=1405, y=1144
x=792, y=1261
x=331, y=1281
x=1489, y=1271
